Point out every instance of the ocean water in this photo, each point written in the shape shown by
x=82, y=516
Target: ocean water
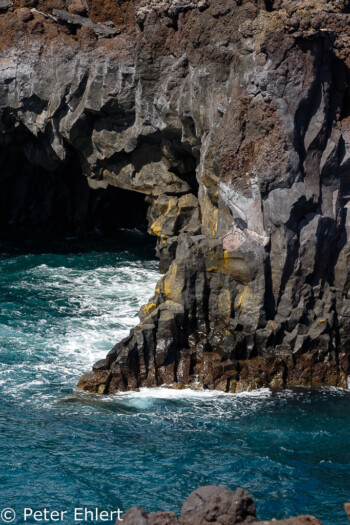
x=61, y=309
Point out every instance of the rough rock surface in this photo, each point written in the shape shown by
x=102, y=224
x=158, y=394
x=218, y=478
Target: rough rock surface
x=231, y=118
x=211, y=505
x=5, y=4
x=70, y=17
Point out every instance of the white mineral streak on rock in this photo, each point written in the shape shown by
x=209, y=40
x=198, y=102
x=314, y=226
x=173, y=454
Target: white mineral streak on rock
x=248, y=209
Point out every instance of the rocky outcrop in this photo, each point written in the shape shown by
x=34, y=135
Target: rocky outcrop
x=231, y=119
x=76, y=20
x=212, y=505
x=5, y=4
x=167, y=10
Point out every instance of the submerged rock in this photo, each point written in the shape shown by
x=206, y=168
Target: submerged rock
x=211, y=505
x=231, y=119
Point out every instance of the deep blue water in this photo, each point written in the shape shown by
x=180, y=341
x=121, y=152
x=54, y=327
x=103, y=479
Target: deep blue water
x=62, y=310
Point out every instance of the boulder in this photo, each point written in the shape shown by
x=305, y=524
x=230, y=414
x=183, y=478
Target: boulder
x=212, y=505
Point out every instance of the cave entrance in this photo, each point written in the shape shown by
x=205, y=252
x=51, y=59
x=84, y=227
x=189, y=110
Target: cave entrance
x=45, y=204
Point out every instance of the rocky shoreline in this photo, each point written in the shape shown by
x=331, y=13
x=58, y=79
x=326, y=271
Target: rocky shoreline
x=231, y=120
x=215, y=506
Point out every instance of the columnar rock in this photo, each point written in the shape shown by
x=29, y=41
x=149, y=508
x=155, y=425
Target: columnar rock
x=231, y=118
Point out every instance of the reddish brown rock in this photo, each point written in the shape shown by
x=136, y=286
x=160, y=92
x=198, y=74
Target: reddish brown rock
x=347, y=509
x=212, y=505
x=77, y=8
x=24, y=14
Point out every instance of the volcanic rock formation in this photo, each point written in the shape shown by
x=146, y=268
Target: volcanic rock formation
x=231, y=119
x=212, y=505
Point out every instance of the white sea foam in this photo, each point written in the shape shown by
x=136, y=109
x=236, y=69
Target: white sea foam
x=78, y=314
x=166, y=392
x=81, y=314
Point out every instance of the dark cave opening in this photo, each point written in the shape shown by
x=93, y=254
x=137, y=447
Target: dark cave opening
x=43, y=204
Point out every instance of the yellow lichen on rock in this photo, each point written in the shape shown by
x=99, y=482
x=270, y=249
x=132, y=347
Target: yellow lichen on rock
x=209, y=217
x=172, y=284
x=229, y=263
x=242, y=298
x=147, y=309
x=156, y=227
x=224, y=305
x=187, y=201
x=167, y=210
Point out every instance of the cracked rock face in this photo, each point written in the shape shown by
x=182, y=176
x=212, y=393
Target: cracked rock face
x=231, y=119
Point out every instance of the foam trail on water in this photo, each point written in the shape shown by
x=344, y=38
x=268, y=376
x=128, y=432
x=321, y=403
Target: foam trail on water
x=184, y=393
x=60, y=316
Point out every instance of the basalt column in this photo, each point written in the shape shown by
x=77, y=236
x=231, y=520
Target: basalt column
x=230, y=120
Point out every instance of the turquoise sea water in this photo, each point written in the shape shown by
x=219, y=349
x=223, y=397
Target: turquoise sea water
x=64, y=309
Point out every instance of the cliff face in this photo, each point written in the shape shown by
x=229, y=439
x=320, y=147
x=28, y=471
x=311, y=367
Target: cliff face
x=232, y=119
